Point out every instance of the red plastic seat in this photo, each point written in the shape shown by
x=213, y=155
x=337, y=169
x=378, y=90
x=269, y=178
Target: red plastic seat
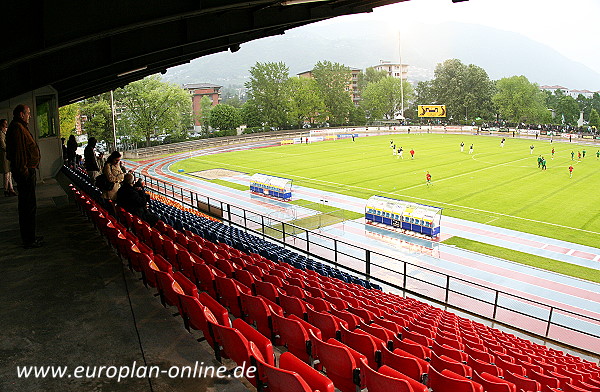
x=318, y=304
x=492, y=383
x=414, y=348
x=291, y=376
x=448, y=381
x=328, y=324
x=388, y=324
x=522, y=382
x=228, y=293
x=442, y=362
x=544, y=380
x=256, y=311
x=340, y=365
x=377, y=382
x=219, y=312
x=417, y=337
x=294, y=291
x=352, y=319
x=246, y=278
x=263, y=344
x=205, y=275
x=405, y=363
x=479, y=354
x=378, y=331
x=292, y=305
x=267, y=290
x=232, y=344
x=186, y=262
x=195, y=317
x=481, y=367
x=364, y=343
x=505, y=364
x=293, y=335
x=416, y=386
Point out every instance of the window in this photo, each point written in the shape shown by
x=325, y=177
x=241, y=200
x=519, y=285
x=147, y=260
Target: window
x=46, y=120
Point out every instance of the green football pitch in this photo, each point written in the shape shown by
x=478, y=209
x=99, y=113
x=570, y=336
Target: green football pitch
x=495, y=185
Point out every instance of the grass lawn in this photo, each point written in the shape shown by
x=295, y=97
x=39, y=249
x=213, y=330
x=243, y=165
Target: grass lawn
x=526, y=258
x=494, y=185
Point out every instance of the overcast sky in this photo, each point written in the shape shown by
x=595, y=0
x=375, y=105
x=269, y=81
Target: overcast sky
x=571, y=27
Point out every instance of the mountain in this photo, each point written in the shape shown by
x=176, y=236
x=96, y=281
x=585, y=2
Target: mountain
x=360, y=44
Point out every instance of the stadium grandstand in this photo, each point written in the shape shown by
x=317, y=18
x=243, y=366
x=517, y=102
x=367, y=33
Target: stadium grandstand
x=199, y=302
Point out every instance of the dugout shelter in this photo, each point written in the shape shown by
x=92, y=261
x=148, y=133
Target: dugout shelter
x=398, y=214
x=277, y=187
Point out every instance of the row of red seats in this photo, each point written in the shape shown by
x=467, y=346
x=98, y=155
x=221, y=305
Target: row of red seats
x=319, y=300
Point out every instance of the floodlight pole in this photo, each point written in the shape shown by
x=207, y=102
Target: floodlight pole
x=401, y=79
x=114, y=125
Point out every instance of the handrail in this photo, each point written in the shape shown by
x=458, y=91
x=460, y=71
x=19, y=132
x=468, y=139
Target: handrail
x=341, y=249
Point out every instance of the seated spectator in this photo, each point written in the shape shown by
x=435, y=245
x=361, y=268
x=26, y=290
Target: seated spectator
x=132, y=197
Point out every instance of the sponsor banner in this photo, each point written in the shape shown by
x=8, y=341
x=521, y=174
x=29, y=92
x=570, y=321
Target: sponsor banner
x=290, y=141
x=588, y=136
x=346, y=135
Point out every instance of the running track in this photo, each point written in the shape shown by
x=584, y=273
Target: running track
x=564, y=292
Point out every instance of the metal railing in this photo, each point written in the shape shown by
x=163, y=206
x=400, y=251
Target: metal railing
x=547, y=322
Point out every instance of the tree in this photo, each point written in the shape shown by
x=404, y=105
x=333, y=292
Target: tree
x=225, y=117
x=151, y=106
x=383, y=99
x=594, y=119
x=68, y=116
x=268, y=87
x=466, y=90
x=97, y=113
x=518, y=100
x=251, y=115
x=333, y=80
x=566, y=109
x=204, y=116
x=357, y=116
x=307, y=103
x=371, y=75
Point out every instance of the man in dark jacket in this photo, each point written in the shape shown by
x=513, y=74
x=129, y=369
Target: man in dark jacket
x=24, y=155
x=91, y=164
x=133, y=199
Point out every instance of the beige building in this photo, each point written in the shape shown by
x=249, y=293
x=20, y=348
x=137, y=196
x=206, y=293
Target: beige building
x=395, y=70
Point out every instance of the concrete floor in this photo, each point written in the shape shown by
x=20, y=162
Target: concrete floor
x=73, y=303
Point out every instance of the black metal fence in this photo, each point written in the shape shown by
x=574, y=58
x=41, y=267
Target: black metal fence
x=535, y=318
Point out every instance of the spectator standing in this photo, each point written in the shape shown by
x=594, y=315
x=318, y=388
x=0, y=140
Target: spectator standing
x=4, y=163
x=71, y=150
x=24, y=155
x=114, y=172
x=91, y=165
x=64, y=150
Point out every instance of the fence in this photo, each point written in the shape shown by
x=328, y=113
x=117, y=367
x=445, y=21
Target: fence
x=537, y=319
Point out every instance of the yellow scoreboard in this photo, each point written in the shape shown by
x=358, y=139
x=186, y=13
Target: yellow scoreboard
x=432, y=110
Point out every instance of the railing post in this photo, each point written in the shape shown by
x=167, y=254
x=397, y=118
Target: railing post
x=495, y=305
x=283, y=231
x=229, y=212
x=549, y=321
x=447, y=288
x=368, y=263
x=335, y=252
x=307, y=242
x=262, y=218
x=405, y=275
